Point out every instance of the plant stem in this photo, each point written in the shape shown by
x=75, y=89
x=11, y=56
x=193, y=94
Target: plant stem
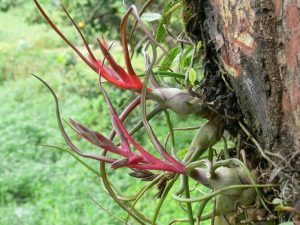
x=187, y=195
x=200, y=211
x=163, y=197
x=220, y=191
x=259, y=148
x=170, y=126
x=150, y=185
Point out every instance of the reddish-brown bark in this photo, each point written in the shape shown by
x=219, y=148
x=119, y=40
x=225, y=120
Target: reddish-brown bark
x=257, y=42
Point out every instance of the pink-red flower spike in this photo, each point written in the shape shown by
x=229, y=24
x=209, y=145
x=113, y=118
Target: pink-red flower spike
x=142, y=160
x=130, y=80
x=114, y=74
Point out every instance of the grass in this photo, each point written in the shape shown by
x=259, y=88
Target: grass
x=43, y=186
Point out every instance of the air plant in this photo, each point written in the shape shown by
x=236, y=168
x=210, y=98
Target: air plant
x=231, y=185
x=180, y=101
x=231, y=181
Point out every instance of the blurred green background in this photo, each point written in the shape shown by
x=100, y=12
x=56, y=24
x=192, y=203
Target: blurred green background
x=39, y=185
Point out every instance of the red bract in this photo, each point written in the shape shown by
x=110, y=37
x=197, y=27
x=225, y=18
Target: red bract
x=114, y=74
x=142, y=160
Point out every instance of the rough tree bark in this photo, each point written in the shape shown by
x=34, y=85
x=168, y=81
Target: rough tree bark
x=257, y=44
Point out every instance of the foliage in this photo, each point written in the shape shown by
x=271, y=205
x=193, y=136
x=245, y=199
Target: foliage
x=5, y=5
x=92, y=16
x=96, y=16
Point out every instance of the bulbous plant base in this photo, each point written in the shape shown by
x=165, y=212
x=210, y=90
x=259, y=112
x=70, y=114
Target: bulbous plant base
x=235, y=205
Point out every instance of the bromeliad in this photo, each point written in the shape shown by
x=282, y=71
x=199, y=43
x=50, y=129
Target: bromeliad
x=234, y=184
x=180, y=101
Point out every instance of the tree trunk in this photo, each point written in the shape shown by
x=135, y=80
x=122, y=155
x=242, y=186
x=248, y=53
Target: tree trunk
x=257, y=45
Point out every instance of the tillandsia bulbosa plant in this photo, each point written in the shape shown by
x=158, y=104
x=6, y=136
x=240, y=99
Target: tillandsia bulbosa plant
x=239, y=192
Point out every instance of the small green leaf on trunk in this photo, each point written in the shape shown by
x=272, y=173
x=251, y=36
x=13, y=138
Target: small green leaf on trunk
x=150, y=17
x=277, y=201
x=192, y=76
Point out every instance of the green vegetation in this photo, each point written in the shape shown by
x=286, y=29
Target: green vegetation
x=39, y=185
